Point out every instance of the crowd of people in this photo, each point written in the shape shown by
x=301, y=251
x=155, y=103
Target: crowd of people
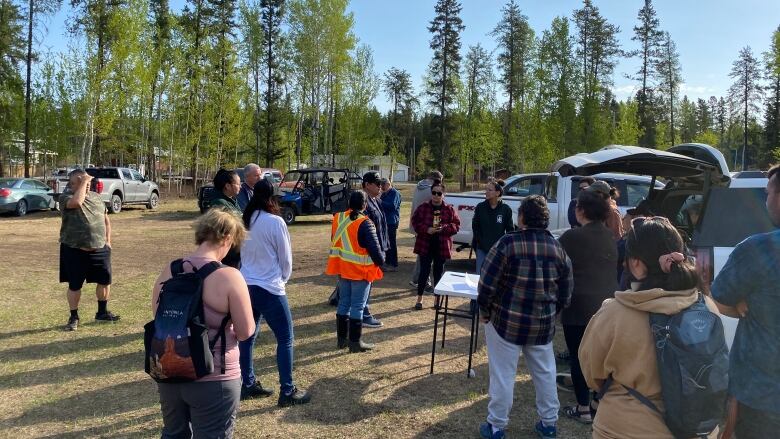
x=602, y=281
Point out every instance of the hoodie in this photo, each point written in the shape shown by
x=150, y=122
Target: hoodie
x=618, y=341
x=422, y=194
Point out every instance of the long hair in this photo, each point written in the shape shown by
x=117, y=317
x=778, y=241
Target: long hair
x=262, y=199
x=222, y=178
x=357, y=200
x=647, y=241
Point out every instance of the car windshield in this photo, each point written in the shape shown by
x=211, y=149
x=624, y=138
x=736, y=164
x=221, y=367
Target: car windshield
x=289, y=181
x=7, y=182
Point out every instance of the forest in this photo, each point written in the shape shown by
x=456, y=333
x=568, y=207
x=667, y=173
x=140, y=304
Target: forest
x=287, y=83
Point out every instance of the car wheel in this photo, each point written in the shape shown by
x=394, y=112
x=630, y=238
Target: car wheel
x=21, y=208
x=115, y=206
x=154, y=200
x=288, y=215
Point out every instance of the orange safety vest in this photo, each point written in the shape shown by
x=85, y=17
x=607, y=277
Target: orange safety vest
x=346, y=257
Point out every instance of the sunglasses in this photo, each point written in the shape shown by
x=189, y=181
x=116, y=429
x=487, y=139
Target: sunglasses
x=437, y=193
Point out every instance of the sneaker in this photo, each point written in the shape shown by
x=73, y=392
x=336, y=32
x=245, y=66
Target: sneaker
x=486, y=432
x=256, y=390
x=418, y=306
x=546, y=431
x=296, y=397
x=107, y=316
x=73, y=324
x=371, y=322
x=564, y=382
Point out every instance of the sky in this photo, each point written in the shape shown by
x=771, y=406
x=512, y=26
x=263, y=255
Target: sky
x=709, y=34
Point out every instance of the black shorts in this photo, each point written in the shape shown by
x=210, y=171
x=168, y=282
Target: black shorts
x=78, y=266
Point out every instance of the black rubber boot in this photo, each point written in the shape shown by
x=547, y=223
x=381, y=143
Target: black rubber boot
x=355, y=331
x=342, y=328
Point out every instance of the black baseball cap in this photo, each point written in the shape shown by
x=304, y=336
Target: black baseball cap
x=372, y=177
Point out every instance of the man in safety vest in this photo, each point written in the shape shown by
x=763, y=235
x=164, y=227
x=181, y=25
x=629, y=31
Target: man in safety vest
x=355, y=257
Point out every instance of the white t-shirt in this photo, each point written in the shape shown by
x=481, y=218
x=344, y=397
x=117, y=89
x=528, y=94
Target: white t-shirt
x=266, y=254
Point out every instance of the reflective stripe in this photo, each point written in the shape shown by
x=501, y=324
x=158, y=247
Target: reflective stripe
x=341, y=232
x=350, y=257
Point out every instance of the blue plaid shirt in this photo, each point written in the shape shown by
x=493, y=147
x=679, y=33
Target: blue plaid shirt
x=752, y=274
x=526, y=281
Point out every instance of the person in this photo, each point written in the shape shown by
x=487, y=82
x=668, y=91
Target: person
x=594, y=257
x=618, y=340
x=583, y=184
x=226, y=187
x=207, y=407
x=422, y=194
x=372, y=188
x=643, y=209
x=355, y=257
x=266, y=265
x=747, y=288
x=435, y=223
x=85, y=247
x=492, y=218
x=391, y=206
x=614, y=220
x=251, y=177
x=525, y=283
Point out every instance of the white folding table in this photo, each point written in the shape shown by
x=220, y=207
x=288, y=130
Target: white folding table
x=453, y=284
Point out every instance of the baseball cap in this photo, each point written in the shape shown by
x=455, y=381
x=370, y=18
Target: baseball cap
x=601, y=187
x=371, y=177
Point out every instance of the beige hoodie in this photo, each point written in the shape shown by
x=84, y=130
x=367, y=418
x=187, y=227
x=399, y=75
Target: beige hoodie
x=618, y=341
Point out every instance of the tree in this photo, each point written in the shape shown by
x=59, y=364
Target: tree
x=670, y=75
x=746, y=90
x=253, y=46
x=272, y=15
x=161, y=23
x=397, y=85
x=445, y=28
x=772, y=106
x=479, y=92
x=516, y=44
x=650, y=38
x=35, y=9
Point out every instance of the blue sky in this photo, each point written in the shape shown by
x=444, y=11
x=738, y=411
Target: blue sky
x=708, y=33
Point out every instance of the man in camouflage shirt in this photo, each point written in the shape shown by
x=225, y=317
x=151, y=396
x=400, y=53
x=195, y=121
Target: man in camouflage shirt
x=85, y=246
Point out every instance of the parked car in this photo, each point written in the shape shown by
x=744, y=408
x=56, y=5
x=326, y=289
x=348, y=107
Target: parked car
x=122, y=186
x=558, y=190
x=713, y=209
x=205, y=192
x=21, y=195
x=316, y=191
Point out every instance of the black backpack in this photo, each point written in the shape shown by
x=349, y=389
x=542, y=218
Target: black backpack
x=177, y=340
x=693, y=363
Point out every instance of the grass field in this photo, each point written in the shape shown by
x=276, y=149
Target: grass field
x=90, y=383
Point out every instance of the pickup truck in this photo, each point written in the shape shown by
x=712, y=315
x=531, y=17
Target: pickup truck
x=123, y=186
x=558, y=190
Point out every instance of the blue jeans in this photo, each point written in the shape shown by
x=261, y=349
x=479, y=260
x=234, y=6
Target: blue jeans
x=353, y=295
x=276, y=312
x=481, y=254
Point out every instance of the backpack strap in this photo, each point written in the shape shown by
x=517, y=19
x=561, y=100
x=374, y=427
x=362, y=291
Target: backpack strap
x=177, y=267
x=221, y=336
x=633, y=392
x=208, y=268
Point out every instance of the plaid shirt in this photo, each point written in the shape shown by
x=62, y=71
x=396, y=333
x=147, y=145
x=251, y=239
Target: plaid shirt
x=423, y=218
x=526, y=281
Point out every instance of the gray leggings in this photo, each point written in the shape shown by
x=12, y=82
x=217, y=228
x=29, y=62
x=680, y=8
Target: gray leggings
x=200, y=409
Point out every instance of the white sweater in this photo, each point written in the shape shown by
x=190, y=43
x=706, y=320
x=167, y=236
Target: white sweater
x=266, y=255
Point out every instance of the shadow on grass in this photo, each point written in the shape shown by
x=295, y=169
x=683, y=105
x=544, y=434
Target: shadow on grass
x=64, y=347
x=105, y=401
x=110, y=430
x=132, y=361
x=33, y=331
x=179, y=215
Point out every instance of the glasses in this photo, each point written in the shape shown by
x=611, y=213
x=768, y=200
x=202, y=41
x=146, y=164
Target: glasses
x=437, y=193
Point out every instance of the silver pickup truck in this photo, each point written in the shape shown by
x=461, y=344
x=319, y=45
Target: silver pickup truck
x=122, y=186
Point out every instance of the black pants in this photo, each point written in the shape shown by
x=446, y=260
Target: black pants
x=573, y=336
x=425, y=271
x=755, y=424
x=392, y=253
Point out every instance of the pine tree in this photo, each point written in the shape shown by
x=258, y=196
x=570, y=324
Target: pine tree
x=12, y=52
x=650, y=38
x=669, y=73
x=746, y=90
x=445, y=28
x=772, y=107
x=271, y=21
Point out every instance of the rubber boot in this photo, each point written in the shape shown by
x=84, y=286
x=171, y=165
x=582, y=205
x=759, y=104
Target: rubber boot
x=355, y=331
x=342, y=328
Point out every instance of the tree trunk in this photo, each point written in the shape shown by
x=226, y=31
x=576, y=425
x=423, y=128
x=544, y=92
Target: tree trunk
x=27, y=92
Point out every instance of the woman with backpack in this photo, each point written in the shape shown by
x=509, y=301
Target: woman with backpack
x=266, y=264
x=355, y=256
x=207, y=406
x=619, y=347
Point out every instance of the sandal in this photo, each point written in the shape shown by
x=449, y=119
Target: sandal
x=581, y=417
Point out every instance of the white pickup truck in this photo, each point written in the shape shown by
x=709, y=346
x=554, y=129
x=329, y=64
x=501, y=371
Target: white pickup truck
x=561, y=190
